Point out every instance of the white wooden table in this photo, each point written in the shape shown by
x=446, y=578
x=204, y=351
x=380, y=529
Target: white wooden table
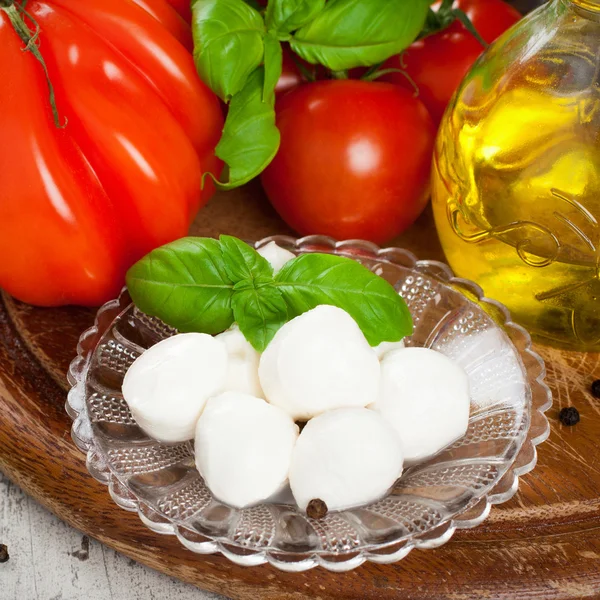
x=51, y=561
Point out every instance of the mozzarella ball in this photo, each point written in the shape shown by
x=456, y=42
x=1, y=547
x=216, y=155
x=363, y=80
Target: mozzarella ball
x=167, y=386
x=346, y=457
x=242, y=364
x=276, y=255
x=424, y=395
x=319, y=361
x=244, y=448
x=386, y=347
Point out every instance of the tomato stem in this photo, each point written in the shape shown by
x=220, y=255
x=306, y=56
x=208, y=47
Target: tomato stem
x=464, y=19
x=371, y=70
x=30, y=39
x=380, y=73
x=446, y=15
x=339, y=74
x=309, y=75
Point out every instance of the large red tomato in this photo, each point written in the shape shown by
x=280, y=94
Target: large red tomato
x=183, y=7
x=439, y=62
x=176, y=22
x=354, y=159
x=81, y=203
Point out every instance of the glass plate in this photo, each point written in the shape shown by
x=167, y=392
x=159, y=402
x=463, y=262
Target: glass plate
x=427, y=504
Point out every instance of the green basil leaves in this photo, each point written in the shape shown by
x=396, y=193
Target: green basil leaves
x=238, y=54
x=285, y=16
x=242, y=262
x=259, y=312
x=250, y=138
x=204, y=285
x=353, y=33
x=313, y=279
x=228, y=44
x=185, y=284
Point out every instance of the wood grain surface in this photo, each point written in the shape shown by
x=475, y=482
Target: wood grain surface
x=49, y=560
x=545, y=543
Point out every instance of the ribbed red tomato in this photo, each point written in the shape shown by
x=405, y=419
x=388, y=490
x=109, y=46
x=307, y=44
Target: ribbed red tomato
x=354, y=159
x=439, y=62
x=183, y=7
x=81, y=203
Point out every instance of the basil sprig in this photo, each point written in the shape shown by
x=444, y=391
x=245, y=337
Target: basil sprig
x=238, y=54
x=204, y=285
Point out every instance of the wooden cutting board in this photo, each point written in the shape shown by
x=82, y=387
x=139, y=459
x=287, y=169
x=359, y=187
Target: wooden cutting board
x=544, y=543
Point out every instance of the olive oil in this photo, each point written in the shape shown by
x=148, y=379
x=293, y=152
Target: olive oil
x=516, y=183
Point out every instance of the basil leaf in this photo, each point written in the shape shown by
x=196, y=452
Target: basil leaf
x=353, y=33
x=250, y=138
x=285, y=16
x=228, y=44
x=242, y=262
x=260, y=312
x=273, y=65
x=313, y=279
x=185, y=284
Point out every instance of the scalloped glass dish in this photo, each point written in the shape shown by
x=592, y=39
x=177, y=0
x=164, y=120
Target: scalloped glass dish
x=427, y=504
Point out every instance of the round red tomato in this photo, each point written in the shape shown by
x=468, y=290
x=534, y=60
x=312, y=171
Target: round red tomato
x=354, y=159
x=439, y=62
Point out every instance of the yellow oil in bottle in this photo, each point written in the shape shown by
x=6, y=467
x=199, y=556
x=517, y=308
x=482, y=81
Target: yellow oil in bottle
x=516, y=183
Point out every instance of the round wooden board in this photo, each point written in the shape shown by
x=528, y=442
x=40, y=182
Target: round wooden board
x=544, y=543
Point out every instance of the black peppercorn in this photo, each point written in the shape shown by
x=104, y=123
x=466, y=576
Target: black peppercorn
x=569, y=415
x=596, y=388
x=3, y=553
x=316, y=509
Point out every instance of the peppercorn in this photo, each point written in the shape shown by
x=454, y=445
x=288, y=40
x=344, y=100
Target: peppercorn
x=3, y=553
x=316, y=509
x=596, y=388
x=569, y=415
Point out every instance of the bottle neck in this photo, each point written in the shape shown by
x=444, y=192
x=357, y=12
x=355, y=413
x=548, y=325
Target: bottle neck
x=591, y=5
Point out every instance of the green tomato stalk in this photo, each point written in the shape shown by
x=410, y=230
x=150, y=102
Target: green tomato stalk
x=16, y=13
